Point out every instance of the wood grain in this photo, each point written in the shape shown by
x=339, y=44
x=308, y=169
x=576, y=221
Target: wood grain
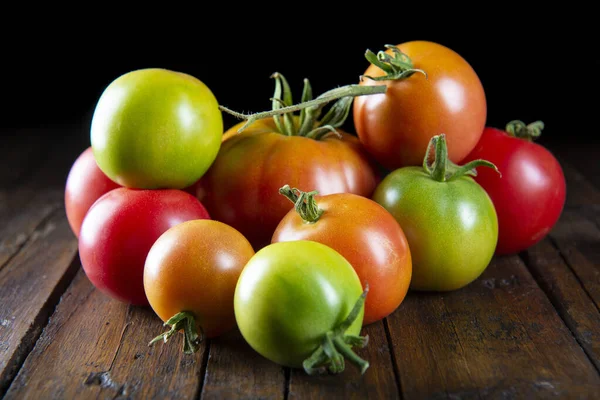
x=30, y=286
x=499, y=337
x=377, y=382
x=96, y=347
x=236, y=371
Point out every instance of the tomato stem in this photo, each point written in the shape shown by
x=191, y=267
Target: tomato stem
x=442, y=169
x=312, y=106
x=185, y=321
x=304, y=202
x=396, y=67
x=528, y=132
x=337, y=345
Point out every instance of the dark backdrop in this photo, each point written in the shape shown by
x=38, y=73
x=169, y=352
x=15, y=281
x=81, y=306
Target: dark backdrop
x=54, y=79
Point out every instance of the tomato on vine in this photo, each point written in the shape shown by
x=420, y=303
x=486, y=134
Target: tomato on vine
x=270, y=150
x=530, y=196
x=431, y=89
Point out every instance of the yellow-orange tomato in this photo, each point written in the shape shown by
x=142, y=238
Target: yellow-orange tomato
x=396, y=126
x=194, y=267
x=364, y=233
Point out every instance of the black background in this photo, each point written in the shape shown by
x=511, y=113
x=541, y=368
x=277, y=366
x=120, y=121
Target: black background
x=528, y=68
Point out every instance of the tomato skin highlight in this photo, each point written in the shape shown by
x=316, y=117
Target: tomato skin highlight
x=451, y=227
x=290, y=294
x=241, y=187
x=155, y=128
x=85, y=184
x=530, y=195
x=195, y=266
x=119, y=230
x=368, y=237
x=396, y=126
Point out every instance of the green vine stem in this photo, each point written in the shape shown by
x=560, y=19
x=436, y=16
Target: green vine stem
x=304, y=202
x=442, y=169
x=528, y=132
x=337, y=346
x=185, y=321
x=397, y=66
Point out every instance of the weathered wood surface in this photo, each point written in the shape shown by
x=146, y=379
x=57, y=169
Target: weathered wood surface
x=529, y=327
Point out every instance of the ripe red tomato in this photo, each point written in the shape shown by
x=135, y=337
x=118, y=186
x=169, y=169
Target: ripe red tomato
x=191, y=273
x=530, y=195
x=241, y=187
x=396, y=126
x=119, y=230
x=362, y=231
x=85, y=184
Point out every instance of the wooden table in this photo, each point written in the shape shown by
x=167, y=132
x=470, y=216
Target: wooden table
x=529, y=327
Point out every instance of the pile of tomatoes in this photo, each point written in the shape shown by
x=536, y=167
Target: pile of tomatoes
x=287, y=227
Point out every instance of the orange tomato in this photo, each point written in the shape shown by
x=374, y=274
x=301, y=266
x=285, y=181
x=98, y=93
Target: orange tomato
x=194, y=267
x=396, y=126
x=366, y=235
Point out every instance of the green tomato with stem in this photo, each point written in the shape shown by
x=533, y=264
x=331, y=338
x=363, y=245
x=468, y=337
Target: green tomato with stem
x=449, y=220
x=301, y=304
x=155, y=128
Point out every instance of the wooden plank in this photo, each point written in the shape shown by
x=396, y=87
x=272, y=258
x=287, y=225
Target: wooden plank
x=236, y=371
x=21, y=156
x=578, y=239
x=498, y=337
x=30, y=286
x=101, y=346
x=572, y=303
x=377, y=382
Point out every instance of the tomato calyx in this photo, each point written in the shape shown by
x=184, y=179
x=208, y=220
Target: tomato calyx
x=396, y=67
x=185, y=321
x=304, y=202
x=529, y=132
x=329, y=356
x=442, y=169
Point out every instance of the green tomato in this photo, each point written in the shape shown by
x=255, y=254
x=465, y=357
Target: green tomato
x=449, y=220
x=291, y=296
x=155, y=128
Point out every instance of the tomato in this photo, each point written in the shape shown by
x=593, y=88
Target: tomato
x=530, y=195
x=396, y=126
x=86, y=183
x=241, y=187
x=292, y=296
x=119, y=230
x=155, y=128
x=190, y=276
x=449, y=220
x=362, y=231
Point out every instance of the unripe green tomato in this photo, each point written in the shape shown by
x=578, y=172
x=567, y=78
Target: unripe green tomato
x=155, y=128
x=451, y=226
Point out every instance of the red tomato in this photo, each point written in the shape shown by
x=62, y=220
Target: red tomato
x=396, y=126
x=85, y=184
x=529, y=196
x=241, y=187
x=362, y=231
x=119, y=230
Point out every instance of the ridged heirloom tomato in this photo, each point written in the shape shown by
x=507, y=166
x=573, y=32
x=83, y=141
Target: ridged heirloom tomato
x=240, y=188
x=119, y=230
x=396, y=126
x=530, y=195
x=362, y=231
